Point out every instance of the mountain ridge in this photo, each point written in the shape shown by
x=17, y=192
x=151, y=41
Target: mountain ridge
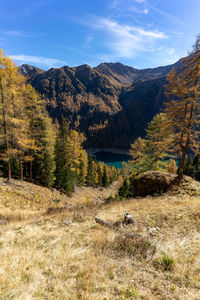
x=111, y=103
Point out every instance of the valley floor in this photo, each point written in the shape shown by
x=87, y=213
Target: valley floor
x=64, y=254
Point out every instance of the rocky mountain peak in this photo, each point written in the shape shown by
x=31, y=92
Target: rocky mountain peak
x=29, y=71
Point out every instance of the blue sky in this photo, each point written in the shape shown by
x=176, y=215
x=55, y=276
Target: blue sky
x=138, y=33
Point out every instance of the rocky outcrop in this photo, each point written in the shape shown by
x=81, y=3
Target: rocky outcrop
x=151, y=183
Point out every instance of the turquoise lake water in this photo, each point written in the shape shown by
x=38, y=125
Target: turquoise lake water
x=111, y=159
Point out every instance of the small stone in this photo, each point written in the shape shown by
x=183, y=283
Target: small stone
x=56, y=200
x=66, y=222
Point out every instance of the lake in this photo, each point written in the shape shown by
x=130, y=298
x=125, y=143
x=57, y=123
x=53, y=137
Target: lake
x=114, y=157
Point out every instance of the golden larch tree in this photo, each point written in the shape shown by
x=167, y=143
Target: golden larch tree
x=183, y=109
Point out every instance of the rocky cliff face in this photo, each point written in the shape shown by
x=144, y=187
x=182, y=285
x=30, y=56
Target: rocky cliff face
x=112, y=103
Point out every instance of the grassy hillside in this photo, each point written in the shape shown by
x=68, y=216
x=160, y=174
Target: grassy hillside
x=63, y=254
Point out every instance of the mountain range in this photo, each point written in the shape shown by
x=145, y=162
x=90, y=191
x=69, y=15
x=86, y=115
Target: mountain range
x=111, y=103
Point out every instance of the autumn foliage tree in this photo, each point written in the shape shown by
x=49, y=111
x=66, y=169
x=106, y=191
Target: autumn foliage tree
x=8, y=74
x=151, y=152
x=183, y=109
x=14, y=123
x=21, y=117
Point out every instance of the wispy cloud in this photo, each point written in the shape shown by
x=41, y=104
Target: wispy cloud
x=140, y=1
x=144, y=11
x=124, y=6
x=144, y=7
x=124, y=40
x=38, y=60
x=88, y=41
x=168, y=17
x=33, y=6
x=15, y=33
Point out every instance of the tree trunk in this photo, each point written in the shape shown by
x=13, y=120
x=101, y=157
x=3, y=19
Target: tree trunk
x=5, y=129
x=31, y=170
x=182, y=161
x=21, y=169
x=185, y=148
x=9, y=170
x=124, y=232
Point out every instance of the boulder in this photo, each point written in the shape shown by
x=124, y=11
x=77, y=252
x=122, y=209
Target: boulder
x=151, y=183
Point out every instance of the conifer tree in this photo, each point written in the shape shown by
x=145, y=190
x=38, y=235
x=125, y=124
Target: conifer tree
x=75, y=154
x=124, y=189
x=43, y=165
x=158, y=141
x=74, y=149
x=105, y=181
x=60, y=152
x=81, y=175
x=10, y=80
x=195, y=168
x=99, y=172
x=151, y=153
x=14, y=115
x=70, y=159
x=34, y=109
x=183, y=110
x=192, y=167
x=188, y=166
x=139, y=160
x=83, y=167
x=68, y=181
x=90, y=180
x=172, y=168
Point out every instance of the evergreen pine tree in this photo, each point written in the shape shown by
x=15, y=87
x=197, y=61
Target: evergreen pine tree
x=43, y=165
x=188, y=166
x=105, y=177
x=64, y=176
x=81, y=174
x=67, y=183
x=99, y=172
x=90, y=180
x=60, y=154
x=195, y=168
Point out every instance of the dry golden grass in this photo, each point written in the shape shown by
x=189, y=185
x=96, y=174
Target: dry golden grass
x=43, y=258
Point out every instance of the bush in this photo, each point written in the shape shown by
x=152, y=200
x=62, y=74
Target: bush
x=165, y=263
x=124, y=189
x=141, y=248
x=113, y=198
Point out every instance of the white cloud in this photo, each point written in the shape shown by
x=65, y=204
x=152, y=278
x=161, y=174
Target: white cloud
x=38, y=60
x=126, y=30
x=124, y=40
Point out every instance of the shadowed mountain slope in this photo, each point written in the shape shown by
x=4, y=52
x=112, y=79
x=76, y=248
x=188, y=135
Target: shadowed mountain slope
x=111, y=103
